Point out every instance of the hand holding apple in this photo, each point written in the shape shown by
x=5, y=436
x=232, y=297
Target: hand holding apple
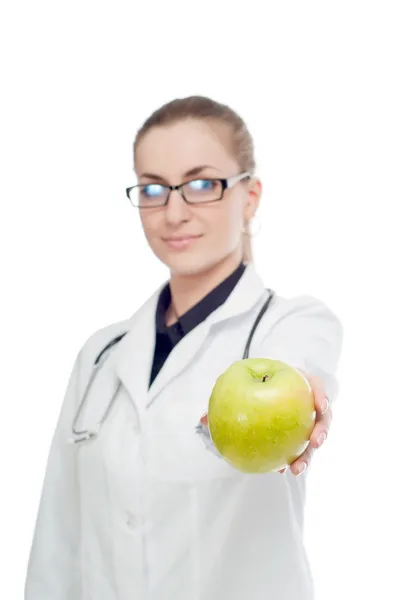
x=262, y=414
x=322, y=424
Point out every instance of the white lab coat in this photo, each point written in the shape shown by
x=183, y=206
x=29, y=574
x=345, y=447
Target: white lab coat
x=146, y=512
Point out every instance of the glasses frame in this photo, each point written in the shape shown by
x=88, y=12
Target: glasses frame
x=226, y=183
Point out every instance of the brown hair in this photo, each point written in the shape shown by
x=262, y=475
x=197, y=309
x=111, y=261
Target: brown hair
x=203, y=108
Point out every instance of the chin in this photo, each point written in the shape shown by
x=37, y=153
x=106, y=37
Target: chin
x=188, y=265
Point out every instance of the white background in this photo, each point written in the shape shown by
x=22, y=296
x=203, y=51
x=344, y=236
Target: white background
x=317, y=85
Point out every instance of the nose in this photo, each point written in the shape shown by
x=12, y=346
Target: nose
x=176, y=210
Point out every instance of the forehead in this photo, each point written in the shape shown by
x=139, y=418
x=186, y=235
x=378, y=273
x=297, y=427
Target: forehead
x=172, y=150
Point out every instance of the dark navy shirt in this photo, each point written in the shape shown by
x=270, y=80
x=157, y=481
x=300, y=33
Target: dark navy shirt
x=168, y=337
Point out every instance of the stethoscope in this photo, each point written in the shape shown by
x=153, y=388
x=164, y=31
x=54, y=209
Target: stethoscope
x=93, y=432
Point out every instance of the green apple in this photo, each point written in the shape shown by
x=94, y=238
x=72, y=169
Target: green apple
x=261, y=414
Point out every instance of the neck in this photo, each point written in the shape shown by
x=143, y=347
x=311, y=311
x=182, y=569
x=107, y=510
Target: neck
x=188, y=290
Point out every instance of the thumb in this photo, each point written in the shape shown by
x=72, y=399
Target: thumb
x=204, y=420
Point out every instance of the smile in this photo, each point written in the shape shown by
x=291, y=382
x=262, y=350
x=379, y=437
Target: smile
x=180, y=243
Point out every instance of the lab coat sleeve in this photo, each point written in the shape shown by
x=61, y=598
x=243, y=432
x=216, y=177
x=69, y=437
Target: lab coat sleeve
x=53, y=567
x=308, y=336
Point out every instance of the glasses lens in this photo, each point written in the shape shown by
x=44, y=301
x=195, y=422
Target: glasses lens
x=203, y=190
x=152, y=194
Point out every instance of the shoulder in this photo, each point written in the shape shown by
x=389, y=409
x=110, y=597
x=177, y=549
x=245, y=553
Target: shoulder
x=302, y=322
x=303, y=307
x=100, y=338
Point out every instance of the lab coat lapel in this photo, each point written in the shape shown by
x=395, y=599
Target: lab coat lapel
x=243, y=297
x=181, y=356
x=135, y=352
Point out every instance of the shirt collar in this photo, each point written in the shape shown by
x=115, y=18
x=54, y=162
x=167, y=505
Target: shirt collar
x=201, y=310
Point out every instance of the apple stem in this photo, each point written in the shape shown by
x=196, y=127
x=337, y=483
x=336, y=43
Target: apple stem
x=265, y=378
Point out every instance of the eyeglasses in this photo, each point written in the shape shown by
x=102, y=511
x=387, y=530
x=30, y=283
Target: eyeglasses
x=197, y=191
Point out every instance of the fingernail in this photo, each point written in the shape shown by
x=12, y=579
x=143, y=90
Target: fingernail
x=321, y=438
x=301, y=468
x=325, y=405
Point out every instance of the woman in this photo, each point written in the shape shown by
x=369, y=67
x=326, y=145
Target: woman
x=145, y=511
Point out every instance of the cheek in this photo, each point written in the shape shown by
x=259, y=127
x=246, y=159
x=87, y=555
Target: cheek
x=150, y=226
x=228, y=222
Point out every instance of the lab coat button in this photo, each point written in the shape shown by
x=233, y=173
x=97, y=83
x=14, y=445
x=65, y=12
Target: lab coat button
x=131, y=521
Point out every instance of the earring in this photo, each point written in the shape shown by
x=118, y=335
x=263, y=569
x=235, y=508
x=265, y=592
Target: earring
x=249, y=231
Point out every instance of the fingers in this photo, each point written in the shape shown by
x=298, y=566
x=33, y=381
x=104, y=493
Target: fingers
x=302, y=463
x=317, y=438
x=320, y=397
x=321, y=430
x=324, y=412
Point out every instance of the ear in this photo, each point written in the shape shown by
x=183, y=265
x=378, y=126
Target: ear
x=253, y=198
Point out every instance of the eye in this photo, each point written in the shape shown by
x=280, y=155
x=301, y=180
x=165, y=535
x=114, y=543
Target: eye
x=199, y=185
x=152, y=190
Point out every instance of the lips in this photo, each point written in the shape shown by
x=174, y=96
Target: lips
x=180, y=242
x=181, y=238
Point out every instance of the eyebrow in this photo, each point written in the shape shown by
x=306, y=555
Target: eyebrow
x=189, y=173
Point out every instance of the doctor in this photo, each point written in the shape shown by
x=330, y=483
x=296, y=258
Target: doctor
x=144, y=510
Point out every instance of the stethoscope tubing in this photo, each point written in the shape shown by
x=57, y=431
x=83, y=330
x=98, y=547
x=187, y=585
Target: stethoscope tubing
x=84, y=435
